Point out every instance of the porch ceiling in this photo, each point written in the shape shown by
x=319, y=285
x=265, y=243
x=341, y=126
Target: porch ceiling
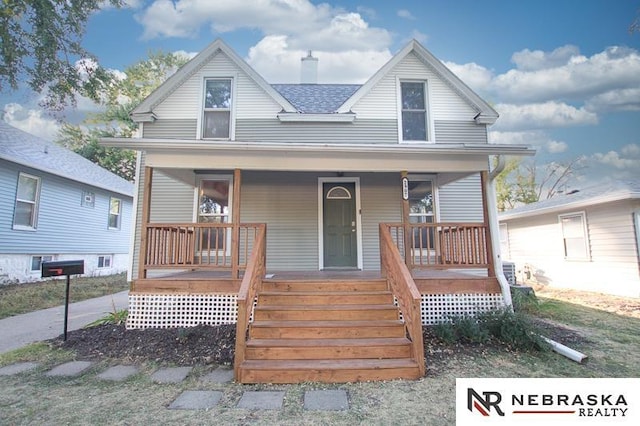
x=433, y=158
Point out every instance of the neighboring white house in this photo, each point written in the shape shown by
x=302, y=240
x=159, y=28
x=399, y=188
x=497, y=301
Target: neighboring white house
x=57, y=205
x=585, y=240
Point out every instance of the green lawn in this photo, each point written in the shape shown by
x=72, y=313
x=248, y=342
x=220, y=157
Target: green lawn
x=18, y=299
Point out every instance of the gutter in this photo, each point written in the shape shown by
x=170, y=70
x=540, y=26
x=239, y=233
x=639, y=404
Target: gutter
x=492, y=212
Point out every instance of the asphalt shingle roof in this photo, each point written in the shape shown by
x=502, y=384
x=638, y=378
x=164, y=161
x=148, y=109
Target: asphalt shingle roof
x=31, y=151
x=316, y=98
x=595, y=194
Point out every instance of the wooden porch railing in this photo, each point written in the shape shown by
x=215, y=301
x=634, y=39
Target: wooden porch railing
x=444, y=245
x=405, y=291
x=251, y=283
x=198, y=245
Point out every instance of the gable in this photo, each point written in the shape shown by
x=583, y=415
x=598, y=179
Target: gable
x=250, y=100
x=445, y=103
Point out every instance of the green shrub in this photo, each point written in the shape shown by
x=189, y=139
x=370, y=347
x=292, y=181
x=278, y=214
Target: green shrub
x=115, y=317
x=514, y=329
x=524, y=301
x=446, y=332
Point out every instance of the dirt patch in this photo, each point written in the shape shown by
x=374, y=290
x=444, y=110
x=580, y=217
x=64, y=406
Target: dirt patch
x=626, y=306
x=203, y=344
x=173, y=346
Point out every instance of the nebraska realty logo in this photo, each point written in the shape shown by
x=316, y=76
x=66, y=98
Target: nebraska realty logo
x=561, y=401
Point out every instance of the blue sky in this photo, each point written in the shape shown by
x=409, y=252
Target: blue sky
x=563, y=74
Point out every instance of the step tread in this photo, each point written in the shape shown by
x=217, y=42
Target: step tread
x=326, y=323
x=361, y=342
x=325, y=307
x=326, y=293
x=328, y=364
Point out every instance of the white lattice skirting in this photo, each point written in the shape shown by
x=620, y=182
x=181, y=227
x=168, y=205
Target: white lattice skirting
x=189, y=310
x=181, y=310
x=439, y=308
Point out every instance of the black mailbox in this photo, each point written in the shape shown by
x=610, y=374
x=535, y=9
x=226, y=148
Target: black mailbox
x=62, y=267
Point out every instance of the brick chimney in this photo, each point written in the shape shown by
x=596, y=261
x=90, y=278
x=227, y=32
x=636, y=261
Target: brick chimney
x=309, y=69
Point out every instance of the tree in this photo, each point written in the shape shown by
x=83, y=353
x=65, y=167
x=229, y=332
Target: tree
x=118, y=99
x=40, y=43
x=522, y=182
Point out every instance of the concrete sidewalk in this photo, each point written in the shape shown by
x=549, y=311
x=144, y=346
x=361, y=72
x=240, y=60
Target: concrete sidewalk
x=20, y=330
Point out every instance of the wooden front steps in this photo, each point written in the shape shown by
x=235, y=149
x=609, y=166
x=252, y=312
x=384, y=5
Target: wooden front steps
x=326, y=331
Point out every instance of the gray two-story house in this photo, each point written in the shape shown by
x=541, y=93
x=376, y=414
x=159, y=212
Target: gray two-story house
x=350, y=214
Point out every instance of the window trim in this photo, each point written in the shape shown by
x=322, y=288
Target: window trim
x=232, y=110
x=42, y=259
x=428, y=119
x=433, y=215
x=104, y=257
x=196, y=202
x=585, y=235
x=35, y=203
x=119, y=226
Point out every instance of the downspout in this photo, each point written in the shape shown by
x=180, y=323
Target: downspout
x=494, y=228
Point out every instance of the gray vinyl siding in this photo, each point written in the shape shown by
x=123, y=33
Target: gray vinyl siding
x=171, y=201
x=288, y=204
x=381, y=203
x=360, y=131
x=63, y=225
x=460, y=132
x=171, y=129
x=461, y=200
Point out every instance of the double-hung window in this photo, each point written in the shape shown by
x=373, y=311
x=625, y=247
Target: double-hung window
x=27, y=199
x=574, y=236
x=216, y=120
x=115, y=213
x=414, y=119
x=421, y=210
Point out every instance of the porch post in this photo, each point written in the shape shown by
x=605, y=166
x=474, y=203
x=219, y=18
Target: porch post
x=484, y=179
x=146, y=215
x=235, y=220
x=406, y=224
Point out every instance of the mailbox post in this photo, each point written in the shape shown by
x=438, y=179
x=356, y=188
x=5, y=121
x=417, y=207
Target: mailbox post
x=59, y=268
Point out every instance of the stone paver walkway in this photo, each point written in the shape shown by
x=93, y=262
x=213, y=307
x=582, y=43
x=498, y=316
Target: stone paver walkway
x=324, y=400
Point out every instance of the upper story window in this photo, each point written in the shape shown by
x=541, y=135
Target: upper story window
x=414, y=111
x=216, y=120
x=115, y=213
x=27, y=199
x=574, y=236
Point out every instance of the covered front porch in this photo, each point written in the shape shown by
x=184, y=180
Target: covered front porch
x=315, y=295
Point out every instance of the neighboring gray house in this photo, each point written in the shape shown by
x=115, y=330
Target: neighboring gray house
x=57, y=205
x=585, y=240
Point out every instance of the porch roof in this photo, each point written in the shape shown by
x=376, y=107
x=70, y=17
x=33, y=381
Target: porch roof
x=194, y=154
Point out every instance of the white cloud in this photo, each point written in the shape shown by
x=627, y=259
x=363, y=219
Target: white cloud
x=421, y=37
x=475, y=76
x=349, y=49
x=273, y=58
x=308, y=26
x=527, y=60
x=564, y=74
x=631, y=150
x=555, y=147
x=404, y=13
x=537, y=138
x=31, y=121
x=542, y=115
x=615, y=100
